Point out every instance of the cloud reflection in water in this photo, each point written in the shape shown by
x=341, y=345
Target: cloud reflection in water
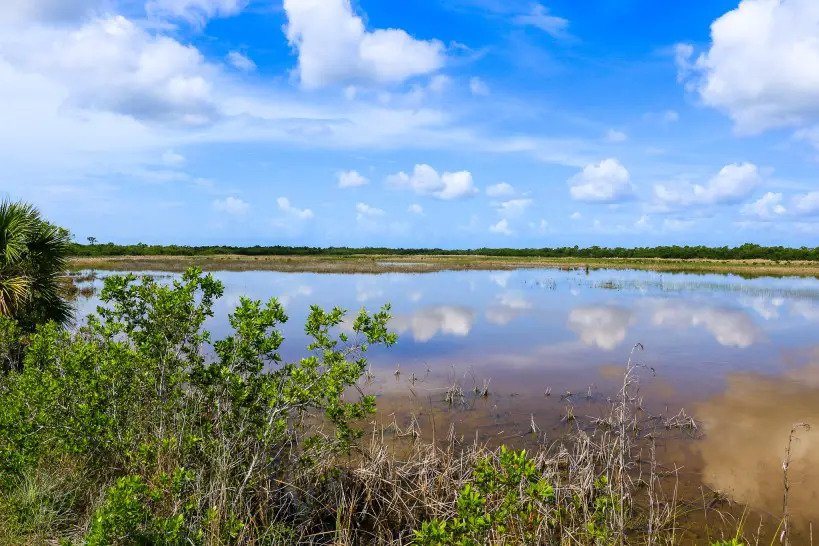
x=426, y=323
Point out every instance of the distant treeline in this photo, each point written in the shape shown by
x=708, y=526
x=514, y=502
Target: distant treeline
x=745, y=252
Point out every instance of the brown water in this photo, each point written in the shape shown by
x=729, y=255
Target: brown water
x=741, y=356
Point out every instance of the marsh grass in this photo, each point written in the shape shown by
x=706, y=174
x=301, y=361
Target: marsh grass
x=429, y=264
x=79, y=284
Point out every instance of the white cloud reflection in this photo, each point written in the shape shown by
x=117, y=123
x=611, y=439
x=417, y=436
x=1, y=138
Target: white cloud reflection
x=730, y=327
x=429, y=322
x=601, y=326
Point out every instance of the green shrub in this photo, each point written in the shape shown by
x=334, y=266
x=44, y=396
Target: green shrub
x=506, y=497
x=196, y=447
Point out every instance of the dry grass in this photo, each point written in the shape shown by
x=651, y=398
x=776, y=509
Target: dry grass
x=76, y=286
x=395, y=481
x=425, y=264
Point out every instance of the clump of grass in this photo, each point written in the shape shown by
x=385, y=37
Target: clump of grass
x=454, y=394
x=87, y=291
x=681, y=421
x=80, y=277
x=73, y=288
x=483, y=391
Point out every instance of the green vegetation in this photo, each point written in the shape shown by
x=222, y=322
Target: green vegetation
x=32, y=260
x=124, y=433
x=137, y=428
x=744, y=252
x=504, y=502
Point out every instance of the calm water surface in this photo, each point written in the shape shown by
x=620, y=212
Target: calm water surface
x=740, y=355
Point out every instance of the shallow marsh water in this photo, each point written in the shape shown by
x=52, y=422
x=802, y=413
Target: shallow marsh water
x=740, y=355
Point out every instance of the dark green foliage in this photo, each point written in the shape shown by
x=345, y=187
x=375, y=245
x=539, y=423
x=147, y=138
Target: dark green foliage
x=173, y=446
x=11, y=344
x=506, y=498
x=132, y=513
x=33, y=257
x=747, y=251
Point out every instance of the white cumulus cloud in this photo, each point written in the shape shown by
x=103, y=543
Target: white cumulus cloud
x=501, y=227
x=605, y=182
x=364, y=210
x=241, y=61
x=334, y=46
x=501, y=189
x=416, y=209
x=351, y=179
x=425, y=180
x=732, y=184
x=231, y=205
x=514, y=207
x=771, y=206
x=286, y=206
x=762, y=67
x=807, y=204
x=112, y=64
x=767, y=207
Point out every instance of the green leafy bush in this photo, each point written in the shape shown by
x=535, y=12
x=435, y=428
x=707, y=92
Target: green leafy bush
x=507, y=496
x=190, y=448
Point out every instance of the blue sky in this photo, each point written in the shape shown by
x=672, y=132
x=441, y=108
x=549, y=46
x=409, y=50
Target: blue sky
x=451, y=123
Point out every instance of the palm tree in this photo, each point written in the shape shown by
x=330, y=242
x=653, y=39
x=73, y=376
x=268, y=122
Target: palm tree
x=32, y=260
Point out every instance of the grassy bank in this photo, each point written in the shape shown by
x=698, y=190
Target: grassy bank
x=747, y=251
x=427, y=263
x=124, y=433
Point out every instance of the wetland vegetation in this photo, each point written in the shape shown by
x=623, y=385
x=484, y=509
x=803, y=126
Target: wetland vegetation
x=175, y=412
x=122, y=432
x=378, y=263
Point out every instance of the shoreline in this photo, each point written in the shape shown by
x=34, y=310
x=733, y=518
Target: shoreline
x=430, y=264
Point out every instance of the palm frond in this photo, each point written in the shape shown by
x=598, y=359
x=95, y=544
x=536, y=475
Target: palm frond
x=33, y=257
x=17, y=221
x=14, y=291
x=48, y=245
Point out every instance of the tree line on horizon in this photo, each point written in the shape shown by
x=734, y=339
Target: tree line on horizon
x=746, y=251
